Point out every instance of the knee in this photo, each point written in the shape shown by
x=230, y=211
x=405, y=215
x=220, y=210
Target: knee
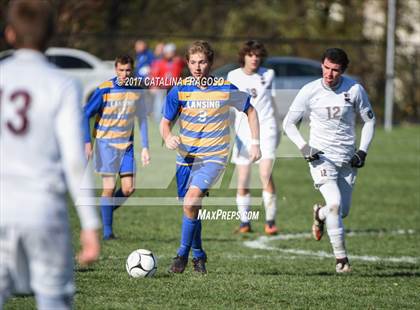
x=191, y=203
x=106, y=192
x=334, y=208
x=191, y=209
x=265, y=176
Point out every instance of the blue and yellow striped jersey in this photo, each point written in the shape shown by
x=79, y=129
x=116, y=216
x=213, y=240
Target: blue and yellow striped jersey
x=204, y=120
x=115, y=108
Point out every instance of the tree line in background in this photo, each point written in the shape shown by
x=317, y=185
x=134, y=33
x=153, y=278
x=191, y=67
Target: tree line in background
x=288, y=28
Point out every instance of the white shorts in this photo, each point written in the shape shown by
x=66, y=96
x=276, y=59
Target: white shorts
x=38, y=260
x=324, y=170
x=269, y=140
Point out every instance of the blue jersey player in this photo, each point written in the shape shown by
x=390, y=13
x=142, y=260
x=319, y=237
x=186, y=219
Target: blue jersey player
x=115, y=105
x=203, y=143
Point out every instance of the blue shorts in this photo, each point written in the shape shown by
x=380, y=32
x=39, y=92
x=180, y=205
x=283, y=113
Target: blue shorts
x=201, y=175
x=110, y=160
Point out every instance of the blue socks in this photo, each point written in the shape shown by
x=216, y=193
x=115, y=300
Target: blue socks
x=196, y=243
x=106, y=211
x=190, y=236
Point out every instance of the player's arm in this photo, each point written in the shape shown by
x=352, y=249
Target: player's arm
x=69, y=138
x=293, y=117
x=368, y=129
x=141, y=111
x=170, y=113
x=91, y=108
x=254, y=126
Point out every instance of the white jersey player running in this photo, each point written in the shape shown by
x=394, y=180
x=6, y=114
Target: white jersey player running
x=333, y=103
x=259, y=83
x=41, y=151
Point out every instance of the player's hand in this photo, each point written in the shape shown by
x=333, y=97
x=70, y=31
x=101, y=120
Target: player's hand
x=172, y=142
x=145, y=156
x=310, y=153
x=88, y=150
x=254, y=153
x=358, y=159
x=89, y=241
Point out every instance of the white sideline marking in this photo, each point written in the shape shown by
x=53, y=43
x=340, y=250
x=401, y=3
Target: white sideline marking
x=262, y=243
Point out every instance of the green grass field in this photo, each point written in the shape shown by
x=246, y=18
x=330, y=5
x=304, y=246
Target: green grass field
x=292, y=271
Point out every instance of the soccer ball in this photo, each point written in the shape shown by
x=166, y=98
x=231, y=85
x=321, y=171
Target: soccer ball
x=141, y=263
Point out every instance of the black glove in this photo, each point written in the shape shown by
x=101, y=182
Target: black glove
x=310, y=153
x=358, y=159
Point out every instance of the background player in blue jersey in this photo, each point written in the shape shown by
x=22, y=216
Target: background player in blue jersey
x=203, y=143
x=116, y=105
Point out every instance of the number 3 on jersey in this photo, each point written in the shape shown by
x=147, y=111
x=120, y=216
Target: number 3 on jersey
x=18, y=124
x=202, y=116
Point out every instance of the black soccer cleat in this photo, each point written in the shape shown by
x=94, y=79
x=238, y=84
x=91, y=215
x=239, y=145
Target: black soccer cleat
x=199, y=265
x=178, y=264
x=110, y=237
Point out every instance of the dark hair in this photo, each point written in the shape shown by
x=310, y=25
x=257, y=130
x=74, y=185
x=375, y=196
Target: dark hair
x=200, y=47
x=251, y=47
x=124, y=59
x=32, y=21
x=337, y=56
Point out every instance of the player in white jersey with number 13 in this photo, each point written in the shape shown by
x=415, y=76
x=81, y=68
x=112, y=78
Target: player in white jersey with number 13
x=41, y=152
x=333, y=103
x=258, y=82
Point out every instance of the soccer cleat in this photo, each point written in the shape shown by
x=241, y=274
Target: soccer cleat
x=110, y=237
x=271, y=229
x=178, y=264
x=342, y=265
x=199, y=265
x=318, y=225
x=244, y=228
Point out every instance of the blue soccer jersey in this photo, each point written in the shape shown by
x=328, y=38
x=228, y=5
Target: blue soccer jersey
x=115, y=108
x=204, y=120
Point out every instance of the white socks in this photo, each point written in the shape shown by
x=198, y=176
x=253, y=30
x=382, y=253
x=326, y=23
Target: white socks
x=243, y=203
x=333, y=221
x=269, y=199
x=335, y=230
x=270, y=205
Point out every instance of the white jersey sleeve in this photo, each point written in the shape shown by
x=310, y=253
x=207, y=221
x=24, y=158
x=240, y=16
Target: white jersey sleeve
x=273, y=87
x=295, y=115
x=366, y=113
x=301, y=101
x=68, y=127
x=291, y=130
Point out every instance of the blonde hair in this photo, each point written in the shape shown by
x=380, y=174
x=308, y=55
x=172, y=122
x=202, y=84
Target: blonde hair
x=200, y=47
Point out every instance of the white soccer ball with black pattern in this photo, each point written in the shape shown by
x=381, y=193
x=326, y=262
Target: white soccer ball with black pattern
x=141, y=263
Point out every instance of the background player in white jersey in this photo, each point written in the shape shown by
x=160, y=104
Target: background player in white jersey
x=41, y=150
x=333, y=103
x=258, y=82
